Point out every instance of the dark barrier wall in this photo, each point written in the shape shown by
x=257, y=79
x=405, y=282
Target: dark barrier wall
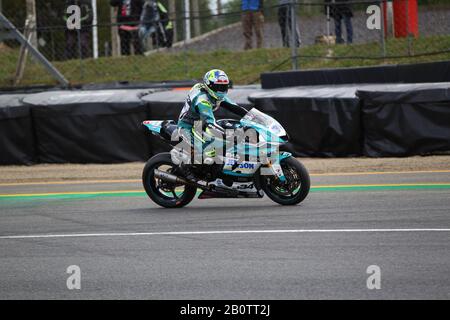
x=414, y=73
x=95, y=127
x=317, y=127
x=405, y=123
x=105, y=126
x=16, y=132
x=87, y=126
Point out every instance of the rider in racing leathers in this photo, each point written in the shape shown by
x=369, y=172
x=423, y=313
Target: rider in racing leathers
x=203, y=99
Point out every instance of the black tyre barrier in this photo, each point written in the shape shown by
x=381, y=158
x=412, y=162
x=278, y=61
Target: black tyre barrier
x=17, y=142
x=317, y=127
x=405, y=123
x=89, y=126
x=104, y=126
x=406, y=73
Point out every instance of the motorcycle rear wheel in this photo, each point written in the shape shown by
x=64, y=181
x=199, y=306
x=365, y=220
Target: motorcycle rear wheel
x=165, y=194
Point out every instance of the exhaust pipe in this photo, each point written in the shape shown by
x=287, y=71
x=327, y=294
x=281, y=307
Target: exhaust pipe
x=168, y=177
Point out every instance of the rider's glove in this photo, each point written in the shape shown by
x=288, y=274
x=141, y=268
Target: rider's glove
x=214, y=130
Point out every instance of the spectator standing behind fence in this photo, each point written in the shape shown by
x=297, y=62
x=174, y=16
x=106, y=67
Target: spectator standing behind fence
x=284, y=20
x=128, y=16
x=252, y=19
x=166, y=33
x=155, y=22
x=341, y=10
x=72, y=49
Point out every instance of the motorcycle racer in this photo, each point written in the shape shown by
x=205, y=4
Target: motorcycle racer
x=172, y=181
x=202, y=101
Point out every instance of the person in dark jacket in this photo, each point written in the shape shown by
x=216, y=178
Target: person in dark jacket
x=128, y=16
x=83, y=35
x=339, y=10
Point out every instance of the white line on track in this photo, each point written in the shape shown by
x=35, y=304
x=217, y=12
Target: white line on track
x=175, y=233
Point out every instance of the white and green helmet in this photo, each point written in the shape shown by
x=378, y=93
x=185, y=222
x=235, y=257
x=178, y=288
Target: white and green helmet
x=217, y=83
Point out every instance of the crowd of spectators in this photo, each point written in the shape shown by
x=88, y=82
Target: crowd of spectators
x=138, y=20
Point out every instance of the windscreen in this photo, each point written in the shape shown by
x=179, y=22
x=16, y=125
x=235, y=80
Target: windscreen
x=256, y=116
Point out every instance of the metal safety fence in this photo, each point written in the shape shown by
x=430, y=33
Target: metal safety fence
x=144, y=40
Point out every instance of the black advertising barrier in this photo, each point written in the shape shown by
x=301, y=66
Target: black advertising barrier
x=320, y=125
x=16, y=131
x=324, y=121
x=408, y=73
x=89, y=126
x=405, y=123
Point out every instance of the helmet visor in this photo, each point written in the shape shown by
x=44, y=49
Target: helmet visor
x=220, y=87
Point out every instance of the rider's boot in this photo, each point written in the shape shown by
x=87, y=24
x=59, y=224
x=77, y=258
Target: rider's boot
x=209, y=156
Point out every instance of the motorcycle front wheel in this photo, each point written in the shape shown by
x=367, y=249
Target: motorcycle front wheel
x=296, y=187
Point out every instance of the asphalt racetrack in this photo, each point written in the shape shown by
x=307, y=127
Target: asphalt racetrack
x=128, y=248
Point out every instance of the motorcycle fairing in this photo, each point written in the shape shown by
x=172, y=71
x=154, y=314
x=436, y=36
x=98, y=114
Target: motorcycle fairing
x=153, y=125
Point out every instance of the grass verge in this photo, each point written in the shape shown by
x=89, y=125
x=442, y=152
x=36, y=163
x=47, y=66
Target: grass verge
x=244, y=67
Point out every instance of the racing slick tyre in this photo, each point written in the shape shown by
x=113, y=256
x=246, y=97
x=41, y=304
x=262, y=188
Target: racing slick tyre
x=165, y=194
x=296, y=187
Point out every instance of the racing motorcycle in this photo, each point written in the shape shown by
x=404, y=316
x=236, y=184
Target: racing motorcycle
x=281, y=176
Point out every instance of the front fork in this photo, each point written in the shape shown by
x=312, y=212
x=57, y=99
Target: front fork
x=275, y=169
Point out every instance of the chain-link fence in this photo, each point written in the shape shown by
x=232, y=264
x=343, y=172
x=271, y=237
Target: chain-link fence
x=138, y=40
